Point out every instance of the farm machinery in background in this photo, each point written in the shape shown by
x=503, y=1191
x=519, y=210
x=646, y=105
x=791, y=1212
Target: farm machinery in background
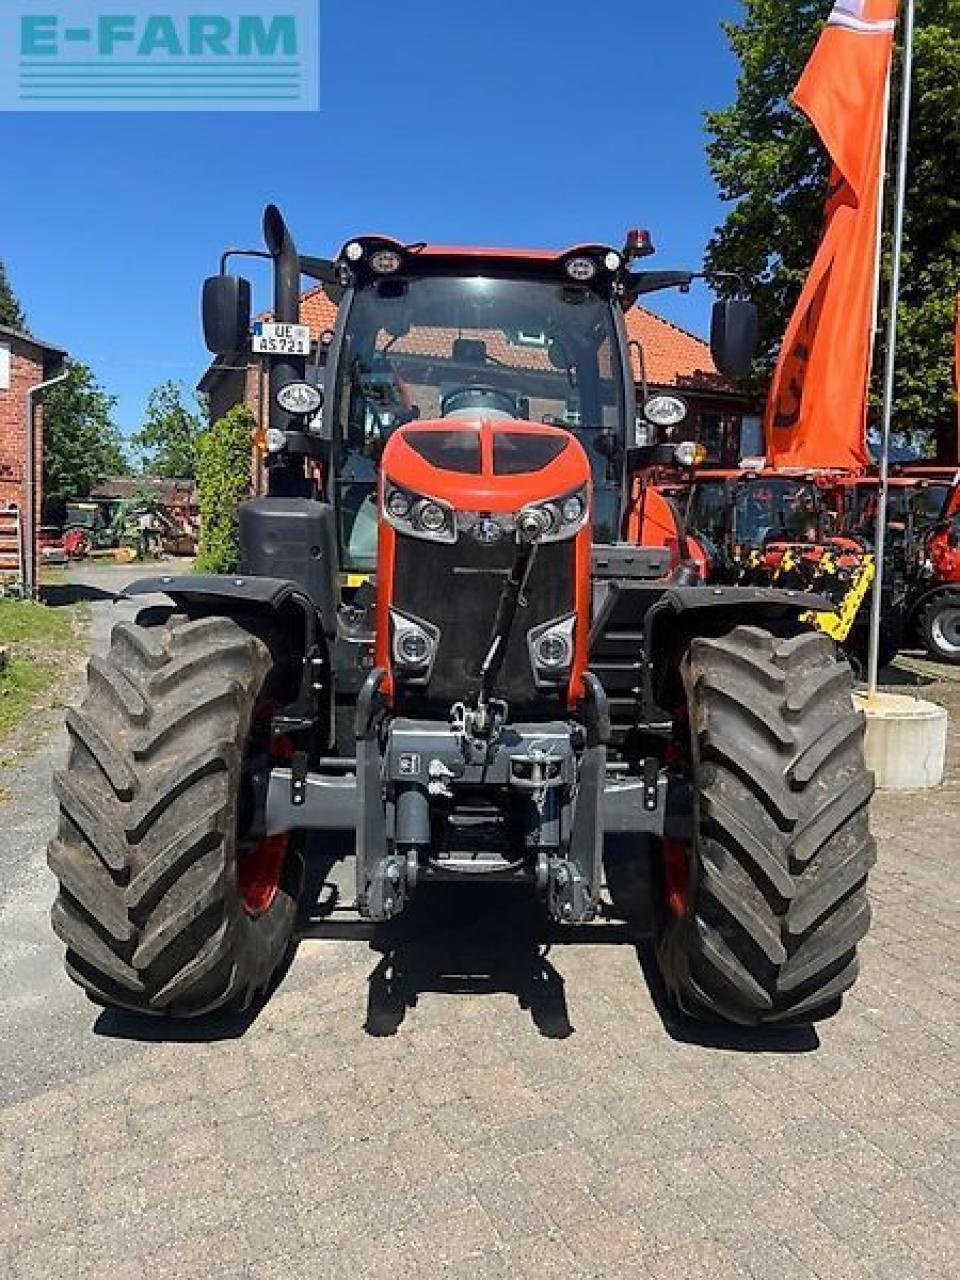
x=764, y=527
x=134, y=527
x=814, y=531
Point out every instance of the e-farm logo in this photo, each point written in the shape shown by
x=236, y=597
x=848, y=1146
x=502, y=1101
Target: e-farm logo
x=175, y=55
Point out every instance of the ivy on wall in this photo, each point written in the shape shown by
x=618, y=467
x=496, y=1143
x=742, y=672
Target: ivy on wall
x=223, y=482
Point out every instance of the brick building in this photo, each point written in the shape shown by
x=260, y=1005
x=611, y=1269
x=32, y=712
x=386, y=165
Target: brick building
x=25, y=362
x=672, y=360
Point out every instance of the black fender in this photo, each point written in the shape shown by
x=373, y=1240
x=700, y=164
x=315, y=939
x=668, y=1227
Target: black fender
x=683, y=613
x=206, y=593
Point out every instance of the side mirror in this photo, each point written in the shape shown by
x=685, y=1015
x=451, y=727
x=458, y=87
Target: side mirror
x=226, y=314
x=734, y=334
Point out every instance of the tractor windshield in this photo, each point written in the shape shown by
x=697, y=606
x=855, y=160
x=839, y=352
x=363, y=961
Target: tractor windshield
x=768, y=509
x=445, y=346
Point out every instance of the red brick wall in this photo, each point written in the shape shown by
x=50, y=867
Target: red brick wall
x=26, y=371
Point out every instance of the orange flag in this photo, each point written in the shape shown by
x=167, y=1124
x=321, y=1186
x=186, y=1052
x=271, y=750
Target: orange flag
x=817, y=409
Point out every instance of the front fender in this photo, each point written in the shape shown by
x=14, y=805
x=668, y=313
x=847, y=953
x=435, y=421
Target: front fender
x=684, y=613
x=233, y=594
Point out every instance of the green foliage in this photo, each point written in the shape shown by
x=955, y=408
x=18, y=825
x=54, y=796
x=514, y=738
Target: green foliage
x=768, y=162
x=11, y=313
x=167, y=442
x=43, y=643
x=81, y=443
x=223, y=480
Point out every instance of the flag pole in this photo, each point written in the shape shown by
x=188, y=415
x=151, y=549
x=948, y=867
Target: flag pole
x=889, y=374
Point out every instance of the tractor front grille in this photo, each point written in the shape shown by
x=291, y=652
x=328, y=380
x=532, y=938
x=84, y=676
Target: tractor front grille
x=457, y=588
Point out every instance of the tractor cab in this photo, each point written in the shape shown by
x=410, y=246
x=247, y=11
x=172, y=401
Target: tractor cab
x=735, y=514
x=458, y=337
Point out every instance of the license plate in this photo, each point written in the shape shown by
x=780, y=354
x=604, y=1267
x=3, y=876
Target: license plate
x=281, y=339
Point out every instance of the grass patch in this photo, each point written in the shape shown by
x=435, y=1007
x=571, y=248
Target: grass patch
x=27, y=622
x=41, y=641
x=22, y=684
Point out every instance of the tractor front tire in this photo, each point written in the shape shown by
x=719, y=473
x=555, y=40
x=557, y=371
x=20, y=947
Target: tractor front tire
x=940, y=627
x=166, y=905
x=763, y=909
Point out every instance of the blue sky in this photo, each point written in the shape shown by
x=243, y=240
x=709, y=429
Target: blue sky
x=517, y=122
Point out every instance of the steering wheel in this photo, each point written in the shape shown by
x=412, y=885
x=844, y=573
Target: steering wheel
x=478, y=400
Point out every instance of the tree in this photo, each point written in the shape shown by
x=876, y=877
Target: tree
x=167, y=442
x=11, y=313
x=81, y=444
x=223, y=481
x=768, y=162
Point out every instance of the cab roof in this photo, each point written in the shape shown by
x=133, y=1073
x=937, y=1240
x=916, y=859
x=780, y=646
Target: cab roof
x=478, y=254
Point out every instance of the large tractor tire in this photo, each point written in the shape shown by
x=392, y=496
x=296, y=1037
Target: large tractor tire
x=169, y=903
x=761, y=911
x=940, y=628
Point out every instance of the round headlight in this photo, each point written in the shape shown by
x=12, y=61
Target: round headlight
x=399, y=504
x=572, y=510
x=299, y=397
x=275, y=440
x=431, y=517
x=354, y=251
x=581, y=269
x=554, y=650
x=413, y=648
x=613, y=261
x=385, y=262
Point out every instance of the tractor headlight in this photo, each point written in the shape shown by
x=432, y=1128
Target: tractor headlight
x=551, y=649
x=419, y=516
x=573, y=509
x=300, y=398
x=385, y=262
x=430, y=516
x=414, y=646
x=399, y=504
x=581, y=269
x=554, y=520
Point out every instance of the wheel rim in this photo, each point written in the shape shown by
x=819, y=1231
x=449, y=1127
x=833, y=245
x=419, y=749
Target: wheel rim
x=676, y=876
x=945, y=630
x=260, y=864
x=259, y=872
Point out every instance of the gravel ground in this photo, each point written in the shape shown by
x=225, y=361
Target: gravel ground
x=452, y=1101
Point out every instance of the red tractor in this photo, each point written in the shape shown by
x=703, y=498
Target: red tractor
x=923, y=519
x=937, y=606
x=466, y=633
x=757, y=527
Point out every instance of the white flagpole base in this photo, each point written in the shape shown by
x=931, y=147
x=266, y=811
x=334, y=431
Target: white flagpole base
x=906, y=744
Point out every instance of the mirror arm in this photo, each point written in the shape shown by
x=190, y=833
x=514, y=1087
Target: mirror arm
x=239, y=253
x=641, y=282
x=321, y=269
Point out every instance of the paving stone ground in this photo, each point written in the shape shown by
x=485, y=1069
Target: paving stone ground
x=451, y=1102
